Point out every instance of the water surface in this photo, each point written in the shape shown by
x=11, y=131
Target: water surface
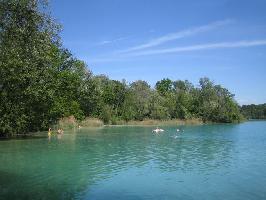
x=199, y=162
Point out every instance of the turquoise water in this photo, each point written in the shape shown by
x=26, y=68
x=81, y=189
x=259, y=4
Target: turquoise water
x=199, y=162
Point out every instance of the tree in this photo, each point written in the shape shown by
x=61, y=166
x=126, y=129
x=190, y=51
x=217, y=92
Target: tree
x=128, y=109
x=27, y=41
x=164, y=86
x=158, y=110
x=40, y=81
x=141, y=96
x=254, y=111
x=217, y=103
x=69, y=80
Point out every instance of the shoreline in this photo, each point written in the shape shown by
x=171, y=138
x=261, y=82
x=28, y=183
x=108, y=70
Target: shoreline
x=151, y=122
x=94, y=123
x=71, y=123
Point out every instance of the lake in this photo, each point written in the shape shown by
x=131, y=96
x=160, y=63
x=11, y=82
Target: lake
x=223, y=161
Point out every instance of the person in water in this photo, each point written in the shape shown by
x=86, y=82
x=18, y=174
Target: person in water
x=157, y=130
x=60, y=131
x=49, y=132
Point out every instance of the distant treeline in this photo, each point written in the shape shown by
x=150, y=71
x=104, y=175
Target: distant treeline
x=42, y=82
x=254, y=111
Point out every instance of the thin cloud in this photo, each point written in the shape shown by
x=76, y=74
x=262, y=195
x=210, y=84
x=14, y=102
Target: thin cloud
x=112, y=41
x=208, y=46
x=179, y=35
x=105, y=42
x=126, y=56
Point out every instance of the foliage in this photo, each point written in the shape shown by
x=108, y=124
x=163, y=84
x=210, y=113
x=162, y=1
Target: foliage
x=40, y=81
x=254, y=111
x=164, y=86
x=27, y=42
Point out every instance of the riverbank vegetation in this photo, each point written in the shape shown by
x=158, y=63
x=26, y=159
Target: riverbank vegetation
x=154, y=122
x=254, y=111
x=42, y=82
x=71, y=122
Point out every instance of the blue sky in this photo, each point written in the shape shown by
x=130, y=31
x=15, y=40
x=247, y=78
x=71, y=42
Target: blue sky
x=224, y=40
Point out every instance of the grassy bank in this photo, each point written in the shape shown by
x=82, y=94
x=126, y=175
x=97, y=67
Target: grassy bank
x=71, y=123
x=152, y=122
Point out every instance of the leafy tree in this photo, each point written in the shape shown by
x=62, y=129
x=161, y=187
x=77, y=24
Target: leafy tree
x=40, y=81
x=158, y=110
x=217, y=103
x=164, y=86
x=70, y=77
x=89, y=98
x=141, y=96
x=254, y=111
x=128, y=109
x=27, y=41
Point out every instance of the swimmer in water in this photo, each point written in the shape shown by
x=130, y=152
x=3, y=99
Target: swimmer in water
x=60, y=131
x=49, y=132
x=157, y=130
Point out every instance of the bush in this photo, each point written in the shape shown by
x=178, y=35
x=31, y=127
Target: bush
x=91, y=122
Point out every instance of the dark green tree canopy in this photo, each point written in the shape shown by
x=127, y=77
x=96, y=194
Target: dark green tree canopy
x=254, y=111
x=40, y=81
x=164, y=86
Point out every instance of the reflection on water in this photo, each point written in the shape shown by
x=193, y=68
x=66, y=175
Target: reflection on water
x=134, y=163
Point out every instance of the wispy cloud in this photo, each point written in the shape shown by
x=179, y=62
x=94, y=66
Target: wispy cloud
x=179, y=35
x=104, y=42
x=113, y=57
x=207, y=46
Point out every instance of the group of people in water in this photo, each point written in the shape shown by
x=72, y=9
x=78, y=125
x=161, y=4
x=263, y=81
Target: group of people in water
x=59, y=131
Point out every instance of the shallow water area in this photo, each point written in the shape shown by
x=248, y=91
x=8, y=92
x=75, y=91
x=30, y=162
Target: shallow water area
x=222, y=161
